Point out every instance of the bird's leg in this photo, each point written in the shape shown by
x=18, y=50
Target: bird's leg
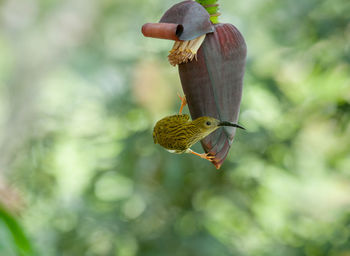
x=203, y=155
x=183, y=102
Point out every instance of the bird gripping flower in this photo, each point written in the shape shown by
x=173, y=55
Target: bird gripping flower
x=177, y=133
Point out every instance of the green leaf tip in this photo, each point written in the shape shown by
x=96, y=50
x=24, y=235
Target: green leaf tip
x=212, y=8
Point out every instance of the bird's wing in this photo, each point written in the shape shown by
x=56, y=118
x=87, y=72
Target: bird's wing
x=167, y=131
x=184, y=118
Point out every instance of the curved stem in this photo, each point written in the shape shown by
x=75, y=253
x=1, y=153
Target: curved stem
x=212, y=8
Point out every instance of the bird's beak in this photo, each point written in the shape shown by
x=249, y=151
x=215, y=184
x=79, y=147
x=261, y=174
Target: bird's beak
x=225, y=123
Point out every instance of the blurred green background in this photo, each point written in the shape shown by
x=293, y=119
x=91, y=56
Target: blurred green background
x=80, y=91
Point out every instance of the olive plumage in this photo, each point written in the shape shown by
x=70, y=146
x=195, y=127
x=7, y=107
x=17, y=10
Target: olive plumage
x=177, y=133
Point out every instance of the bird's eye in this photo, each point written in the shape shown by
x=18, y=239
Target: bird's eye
x=208, y=123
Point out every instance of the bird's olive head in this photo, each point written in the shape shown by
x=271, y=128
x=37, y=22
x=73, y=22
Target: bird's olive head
x=208, y=124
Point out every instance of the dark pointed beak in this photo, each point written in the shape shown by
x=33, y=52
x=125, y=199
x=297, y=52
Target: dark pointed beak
x=225, y=123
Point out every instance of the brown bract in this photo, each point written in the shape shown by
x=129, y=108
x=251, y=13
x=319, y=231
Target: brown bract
x=194, y=19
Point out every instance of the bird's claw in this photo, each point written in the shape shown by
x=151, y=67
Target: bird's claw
x=183, y=99
x=208, y=156
x=183, y=102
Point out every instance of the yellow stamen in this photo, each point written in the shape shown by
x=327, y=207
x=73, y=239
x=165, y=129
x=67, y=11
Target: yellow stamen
x=185, y=51
x=176, y=46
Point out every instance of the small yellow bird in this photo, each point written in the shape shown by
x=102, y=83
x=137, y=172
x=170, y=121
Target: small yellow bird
x=177, y=133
